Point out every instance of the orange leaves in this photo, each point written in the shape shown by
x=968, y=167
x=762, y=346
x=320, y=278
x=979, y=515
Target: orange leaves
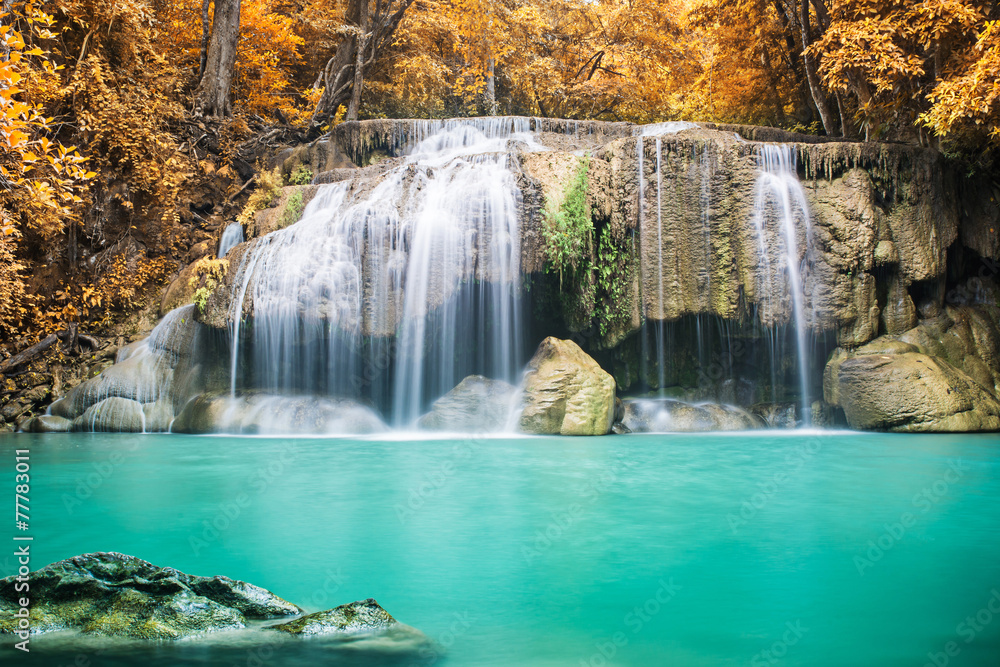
x=924, y=59
x=574, y=58
x=269, y=49
x=45, y=173
x=970, y=94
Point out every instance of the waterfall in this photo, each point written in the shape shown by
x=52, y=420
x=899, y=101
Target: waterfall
x=784, y=235
x=232, y=236
x=394, y=291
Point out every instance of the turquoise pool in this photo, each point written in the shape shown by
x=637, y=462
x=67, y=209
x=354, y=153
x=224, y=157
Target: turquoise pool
x=765, y=548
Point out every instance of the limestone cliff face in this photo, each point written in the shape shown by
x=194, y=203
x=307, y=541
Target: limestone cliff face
x=876, y=210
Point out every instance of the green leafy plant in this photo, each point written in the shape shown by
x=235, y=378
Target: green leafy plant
x=302, y=175
x=208, y=274
x=615, y=270
x=568, y=229
x=293, y=209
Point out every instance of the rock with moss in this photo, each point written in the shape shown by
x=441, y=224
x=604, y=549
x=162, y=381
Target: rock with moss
x=363, y=625
x=566, y=392
x=355, y=618
x=476, y=404
x=116, y=595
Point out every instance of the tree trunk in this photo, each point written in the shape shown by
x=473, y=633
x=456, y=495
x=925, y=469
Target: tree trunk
x=847, y=128
x=822, y=105
x=343, y=77
x=359, y=61
x=491, y=88
x=206, y=26
x=212, y=94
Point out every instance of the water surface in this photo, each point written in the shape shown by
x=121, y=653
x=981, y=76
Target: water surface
x=768, y=548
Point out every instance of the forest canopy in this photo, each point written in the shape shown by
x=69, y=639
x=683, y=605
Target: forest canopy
x=102, y=101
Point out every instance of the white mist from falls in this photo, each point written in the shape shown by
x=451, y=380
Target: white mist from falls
x=430, y=255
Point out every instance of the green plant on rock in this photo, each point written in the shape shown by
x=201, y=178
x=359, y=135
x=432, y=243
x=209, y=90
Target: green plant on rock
x=568, y=229
x=208, y=273
x=615, y=270
x=302, y=175
x=267, y=192
x=293, y=209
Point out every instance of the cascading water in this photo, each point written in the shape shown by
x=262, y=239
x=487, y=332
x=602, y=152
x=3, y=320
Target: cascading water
x=429, y=256
x=784, y=235
x=232, y=236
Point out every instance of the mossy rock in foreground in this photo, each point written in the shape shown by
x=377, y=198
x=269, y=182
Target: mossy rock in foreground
x=116, y=595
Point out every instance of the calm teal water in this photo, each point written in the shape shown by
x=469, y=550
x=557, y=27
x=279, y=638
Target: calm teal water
x=748, y=549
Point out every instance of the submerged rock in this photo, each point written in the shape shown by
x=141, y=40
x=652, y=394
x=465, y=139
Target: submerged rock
x=364, y=626
x=269, y=414
x=651, y=415
x=116, y=595
x=475, y=404
x=566, y=392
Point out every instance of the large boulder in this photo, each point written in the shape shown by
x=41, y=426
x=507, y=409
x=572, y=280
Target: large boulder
x=276, y=415
x=49, y=424
x=659, y=415
x=115, y=595
x=115, y=415
x=941, y=375
x=476, y=404
x=910, y=392
x=566, y=392
x=150, y=381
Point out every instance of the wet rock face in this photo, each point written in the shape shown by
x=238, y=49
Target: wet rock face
x=942, y=375
x=476, y=404
x=267, y=414
x=776, y=415
x=566, y=392
x=116, y=595
x=363, y=617
x=658, y=415
x=143, y=391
